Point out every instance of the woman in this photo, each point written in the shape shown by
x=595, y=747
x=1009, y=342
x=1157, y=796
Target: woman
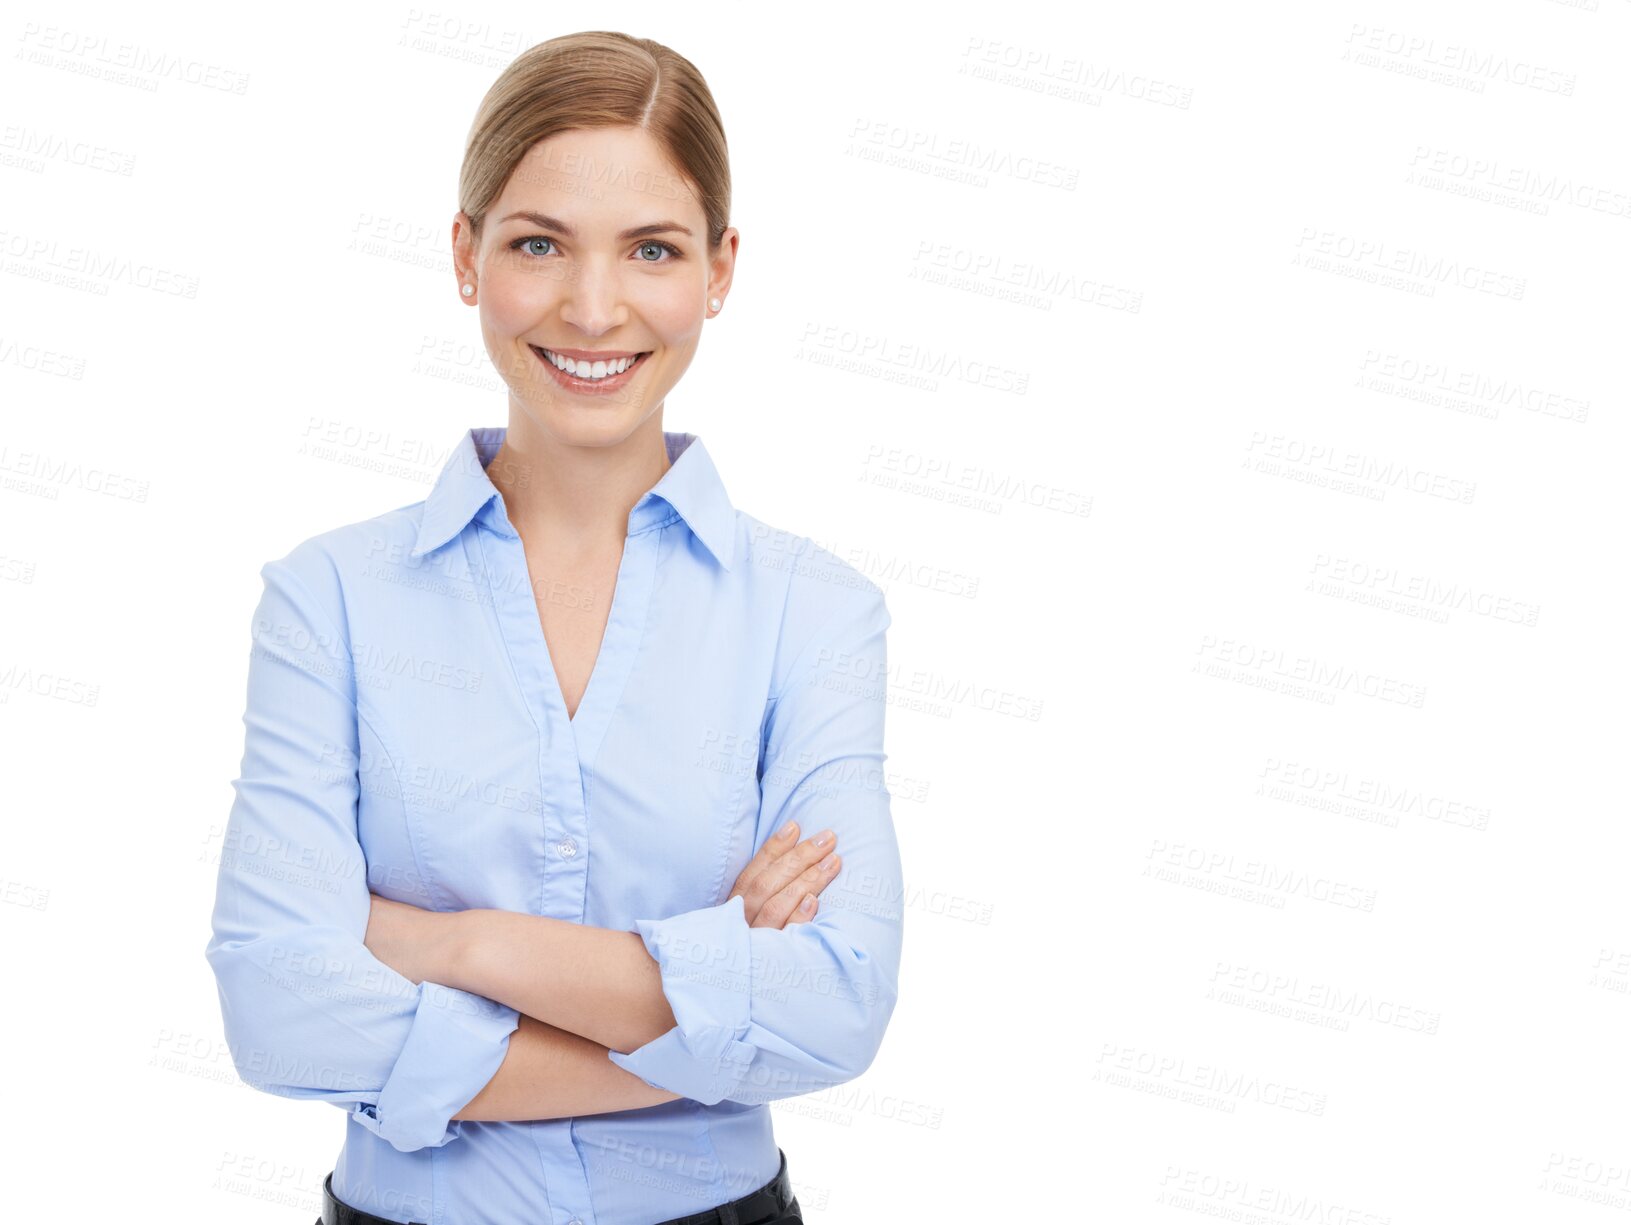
x=513, y=873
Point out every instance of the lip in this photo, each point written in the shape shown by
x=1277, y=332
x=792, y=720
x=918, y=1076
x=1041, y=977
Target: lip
x=589, y=387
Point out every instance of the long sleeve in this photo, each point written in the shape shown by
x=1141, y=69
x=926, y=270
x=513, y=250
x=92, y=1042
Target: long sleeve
x=763, y=1014
x=309, y=1012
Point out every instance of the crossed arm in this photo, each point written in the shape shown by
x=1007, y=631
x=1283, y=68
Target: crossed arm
x=557, y=1012
x=581, y=991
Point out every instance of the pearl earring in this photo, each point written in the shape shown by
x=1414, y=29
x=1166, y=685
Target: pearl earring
x=714, y=303
x=468, y=290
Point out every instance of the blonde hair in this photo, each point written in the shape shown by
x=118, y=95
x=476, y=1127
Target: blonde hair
x=598, y=79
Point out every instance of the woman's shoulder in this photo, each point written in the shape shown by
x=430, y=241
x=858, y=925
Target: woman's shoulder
x=330, y=563
x=820, y=590
x=811, y=572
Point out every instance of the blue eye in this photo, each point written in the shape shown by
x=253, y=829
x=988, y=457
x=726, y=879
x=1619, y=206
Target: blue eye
x=674, y=253
x=663, y=246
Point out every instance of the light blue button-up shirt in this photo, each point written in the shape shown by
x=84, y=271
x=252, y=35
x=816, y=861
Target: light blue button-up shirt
x=406, y=735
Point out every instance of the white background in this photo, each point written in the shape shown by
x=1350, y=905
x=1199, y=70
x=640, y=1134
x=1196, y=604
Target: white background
x=1231, y=401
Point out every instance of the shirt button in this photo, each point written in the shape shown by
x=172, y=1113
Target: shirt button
x=574, y=1221
x=569, y=848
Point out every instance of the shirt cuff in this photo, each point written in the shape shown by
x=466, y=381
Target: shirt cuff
x=456, y=1044
x=704, y=957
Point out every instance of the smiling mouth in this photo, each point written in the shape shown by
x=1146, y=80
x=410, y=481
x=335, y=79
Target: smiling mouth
x=589, y=372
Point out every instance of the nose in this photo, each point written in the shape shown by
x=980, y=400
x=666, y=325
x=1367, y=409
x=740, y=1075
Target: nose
x=594, y=299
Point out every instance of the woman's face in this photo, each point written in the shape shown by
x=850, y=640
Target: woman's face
x=596, y=249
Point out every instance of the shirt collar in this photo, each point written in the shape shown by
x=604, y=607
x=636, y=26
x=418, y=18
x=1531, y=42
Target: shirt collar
x=463, y=491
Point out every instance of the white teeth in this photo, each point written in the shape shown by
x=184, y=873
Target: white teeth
x=590, y=370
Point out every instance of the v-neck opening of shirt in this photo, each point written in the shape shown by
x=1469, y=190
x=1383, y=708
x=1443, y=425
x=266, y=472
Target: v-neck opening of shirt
x=618, y=587
x=516, y=607
x=600, y=647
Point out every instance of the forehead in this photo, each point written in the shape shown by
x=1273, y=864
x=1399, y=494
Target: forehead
x=600, y=178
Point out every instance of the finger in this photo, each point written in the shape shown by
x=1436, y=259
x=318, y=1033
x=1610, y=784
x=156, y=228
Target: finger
x=804, y=911
x=785, y=909
x=771, y=868
x=775, y=876
x=782, y=841
x=786, y=902
x=778, y=845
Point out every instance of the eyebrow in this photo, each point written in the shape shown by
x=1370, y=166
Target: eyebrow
x=546, y=222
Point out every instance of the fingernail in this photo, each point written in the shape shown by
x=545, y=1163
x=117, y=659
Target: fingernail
x=789, y=829
x=808, y=903
x=823, y=838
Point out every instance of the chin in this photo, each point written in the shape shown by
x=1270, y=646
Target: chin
x=589, y=425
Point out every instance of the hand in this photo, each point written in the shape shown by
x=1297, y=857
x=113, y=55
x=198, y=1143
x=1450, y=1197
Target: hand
x=781, y=875
x=412, y=941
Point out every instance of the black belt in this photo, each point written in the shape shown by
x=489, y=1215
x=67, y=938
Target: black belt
x=770, y=1203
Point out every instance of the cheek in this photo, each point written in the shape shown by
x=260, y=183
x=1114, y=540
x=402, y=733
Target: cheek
x=511, y=299
x=669, y=308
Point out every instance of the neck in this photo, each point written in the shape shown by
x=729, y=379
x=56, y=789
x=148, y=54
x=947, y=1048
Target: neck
x=566, y=499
